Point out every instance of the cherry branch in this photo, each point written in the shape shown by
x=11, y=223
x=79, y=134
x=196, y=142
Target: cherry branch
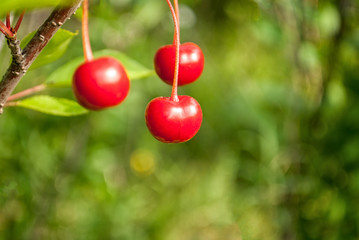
x=22, y=60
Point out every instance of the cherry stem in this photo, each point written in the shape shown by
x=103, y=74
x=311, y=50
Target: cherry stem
x=27, y=92
x=5, y=30
x=11, y=104
x=85, y=33
x=18, y=23
x=8, y=25
x=174, y=96
x=178, y=17
x=177, y=11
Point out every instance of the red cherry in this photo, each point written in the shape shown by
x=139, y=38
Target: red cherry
x=100, y=83
x=173, y=121
x=190, y=65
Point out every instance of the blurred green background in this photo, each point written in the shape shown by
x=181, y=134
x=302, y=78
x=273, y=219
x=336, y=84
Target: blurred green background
x=277, y=156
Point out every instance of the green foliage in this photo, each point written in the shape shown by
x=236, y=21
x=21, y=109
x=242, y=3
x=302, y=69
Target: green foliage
x=11, y=5
x=276, y=157
x=55, y=49
x=52, y=105
x=62, y=76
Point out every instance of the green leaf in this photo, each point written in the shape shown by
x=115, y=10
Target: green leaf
x=51, y=105
x=62, y=77
x=10, y=5
x=53, y=50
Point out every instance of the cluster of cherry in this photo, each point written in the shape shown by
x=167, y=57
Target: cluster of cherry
x=101, y=83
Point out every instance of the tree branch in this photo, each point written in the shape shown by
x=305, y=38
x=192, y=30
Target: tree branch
x=22, y=60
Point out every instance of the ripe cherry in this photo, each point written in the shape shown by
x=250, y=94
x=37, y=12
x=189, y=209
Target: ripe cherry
x=100, y=83
x=173, y=121
x=191, y=63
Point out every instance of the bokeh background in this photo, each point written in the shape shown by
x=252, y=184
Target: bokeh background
x=277, y=156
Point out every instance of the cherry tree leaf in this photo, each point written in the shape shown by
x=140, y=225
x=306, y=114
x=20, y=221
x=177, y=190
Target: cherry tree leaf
x=56, y=47
x=11, y=5
x=52, y=105
x=62, y=76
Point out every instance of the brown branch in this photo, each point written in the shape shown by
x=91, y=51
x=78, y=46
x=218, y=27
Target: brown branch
x=15, y=50
x=22, y=62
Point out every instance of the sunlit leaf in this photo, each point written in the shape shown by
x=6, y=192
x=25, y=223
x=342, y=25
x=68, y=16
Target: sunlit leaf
x=51, y=105
x=53, y=50
x=63, y=75
x=10, y=5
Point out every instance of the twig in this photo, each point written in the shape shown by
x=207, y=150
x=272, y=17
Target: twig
x=27, y=92
x=5, y=30
x=19, y=21
x=2, y=36
x=46, y=31
x=8, y=25
x=11, y=104
x=2, y=30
